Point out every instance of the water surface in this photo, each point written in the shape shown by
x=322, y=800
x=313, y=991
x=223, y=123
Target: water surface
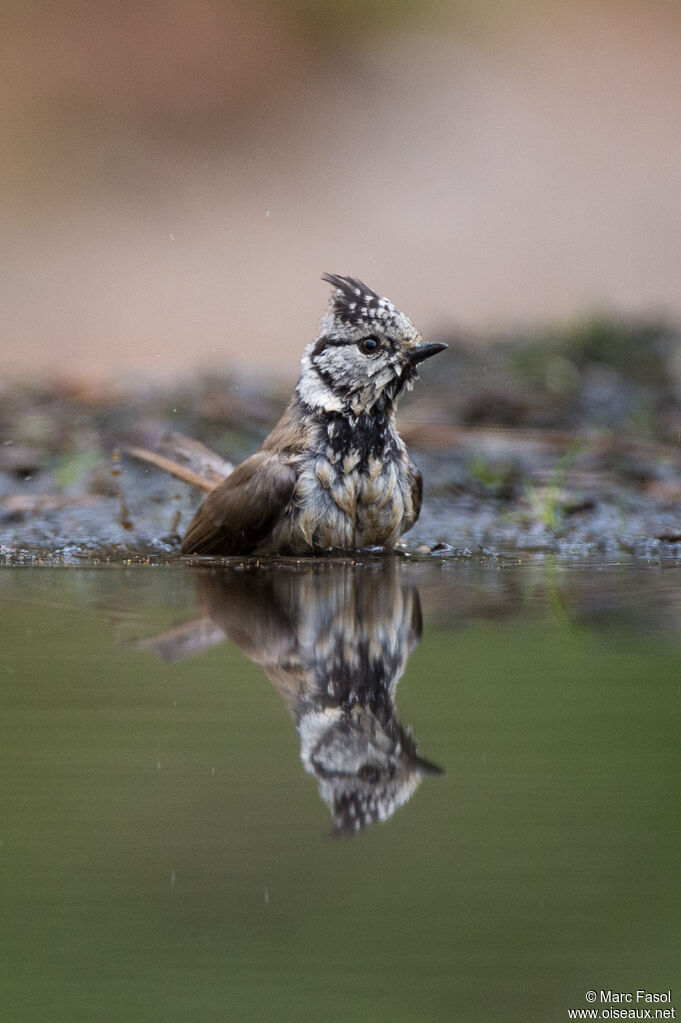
x=389, y=791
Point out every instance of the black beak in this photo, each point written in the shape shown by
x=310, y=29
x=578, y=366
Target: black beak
x=426, y=767
x=424, y=350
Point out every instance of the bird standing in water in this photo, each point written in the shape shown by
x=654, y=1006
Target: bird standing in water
x=334, y=473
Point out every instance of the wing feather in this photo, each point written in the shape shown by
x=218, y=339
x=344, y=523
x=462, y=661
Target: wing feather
x=238, y=515
x=416, y=483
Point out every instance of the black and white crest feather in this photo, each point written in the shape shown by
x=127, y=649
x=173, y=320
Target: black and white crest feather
x=356, y=304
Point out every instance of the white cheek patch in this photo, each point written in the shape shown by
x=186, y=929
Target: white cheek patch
x=313, y=390
x=316, y=394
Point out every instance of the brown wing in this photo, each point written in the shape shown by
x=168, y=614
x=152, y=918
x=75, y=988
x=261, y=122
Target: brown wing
x=237, y=516
x=416, y=481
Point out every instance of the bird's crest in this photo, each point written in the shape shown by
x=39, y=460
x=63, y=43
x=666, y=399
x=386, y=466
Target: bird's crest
x=355, y=303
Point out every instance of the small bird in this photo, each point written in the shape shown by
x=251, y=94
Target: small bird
x=333, y=474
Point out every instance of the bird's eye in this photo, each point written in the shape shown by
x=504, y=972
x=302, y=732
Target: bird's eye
x=368, y=345
x=369, y=773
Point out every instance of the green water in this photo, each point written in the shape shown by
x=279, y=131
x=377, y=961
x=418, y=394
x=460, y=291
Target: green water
x=166, y=855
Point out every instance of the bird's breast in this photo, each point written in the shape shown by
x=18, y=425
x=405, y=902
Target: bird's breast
x=352, y=497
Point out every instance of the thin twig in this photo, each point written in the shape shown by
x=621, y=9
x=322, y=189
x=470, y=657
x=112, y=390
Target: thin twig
x=174, y=468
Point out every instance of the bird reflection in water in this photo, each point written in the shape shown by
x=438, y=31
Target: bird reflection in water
x=333, y=638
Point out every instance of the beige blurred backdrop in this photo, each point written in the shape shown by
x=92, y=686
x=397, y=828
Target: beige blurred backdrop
x=177, y=175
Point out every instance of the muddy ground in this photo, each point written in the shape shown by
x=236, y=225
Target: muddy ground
x=562, y=441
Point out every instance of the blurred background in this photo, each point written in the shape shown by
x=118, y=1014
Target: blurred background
x=177, y=175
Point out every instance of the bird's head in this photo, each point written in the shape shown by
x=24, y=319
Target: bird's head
x=366, y=352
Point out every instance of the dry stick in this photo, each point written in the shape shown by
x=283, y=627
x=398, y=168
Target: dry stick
x=174, y=468
x=193, y=452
